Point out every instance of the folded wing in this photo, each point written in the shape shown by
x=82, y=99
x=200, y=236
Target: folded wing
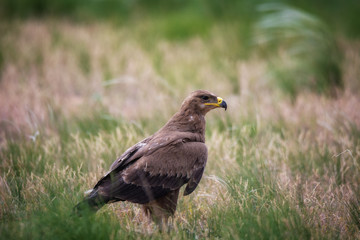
x=153, y=168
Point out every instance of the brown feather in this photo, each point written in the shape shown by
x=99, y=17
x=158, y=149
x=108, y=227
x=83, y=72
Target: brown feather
x=152, y=171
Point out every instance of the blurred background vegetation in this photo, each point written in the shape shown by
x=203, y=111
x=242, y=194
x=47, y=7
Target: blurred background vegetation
x=82, y=80
x=303, y=29
x=339, y=15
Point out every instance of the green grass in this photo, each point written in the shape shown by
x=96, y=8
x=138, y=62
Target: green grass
x=45, y=179
x=258, y=211
x=78, y=95
x=307, y=41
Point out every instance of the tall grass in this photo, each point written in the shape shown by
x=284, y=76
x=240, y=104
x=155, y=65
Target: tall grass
x=276, y=168
x=256, y=192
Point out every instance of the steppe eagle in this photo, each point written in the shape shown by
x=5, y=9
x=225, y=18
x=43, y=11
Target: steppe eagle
x=152, y=171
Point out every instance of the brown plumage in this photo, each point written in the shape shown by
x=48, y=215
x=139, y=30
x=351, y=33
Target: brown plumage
x=152, y=171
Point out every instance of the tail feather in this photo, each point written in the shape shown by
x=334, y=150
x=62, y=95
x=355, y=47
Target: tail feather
x=93, y=202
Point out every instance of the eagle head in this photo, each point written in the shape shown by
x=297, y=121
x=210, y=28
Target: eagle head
x=202, y=101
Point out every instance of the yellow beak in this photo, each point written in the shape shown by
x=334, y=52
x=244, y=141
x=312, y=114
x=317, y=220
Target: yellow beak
x=220, y=103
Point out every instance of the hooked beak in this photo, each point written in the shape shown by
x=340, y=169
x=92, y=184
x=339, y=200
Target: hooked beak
x=223, y=104
x=220, y=103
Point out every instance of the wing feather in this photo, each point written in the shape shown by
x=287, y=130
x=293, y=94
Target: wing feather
x=194, y=180
x=139, y=176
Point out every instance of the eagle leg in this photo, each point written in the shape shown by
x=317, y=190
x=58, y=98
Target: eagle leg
x=159, y=210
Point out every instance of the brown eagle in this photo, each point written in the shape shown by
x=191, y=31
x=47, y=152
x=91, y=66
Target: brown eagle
x=152, y=171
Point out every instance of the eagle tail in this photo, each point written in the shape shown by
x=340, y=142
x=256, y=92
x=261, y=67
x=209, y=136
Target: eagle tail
x=92, y=202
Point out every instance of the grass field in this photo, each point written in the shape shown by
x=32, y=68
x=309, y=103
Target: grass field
x=75, y=95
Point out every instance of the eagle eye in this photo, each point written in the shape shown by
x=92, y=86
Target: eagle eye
x=204, y=97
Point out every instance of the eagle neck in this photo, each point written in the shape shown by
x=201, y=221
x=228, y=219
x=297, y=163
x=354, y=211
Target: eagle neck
x=187, y=120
